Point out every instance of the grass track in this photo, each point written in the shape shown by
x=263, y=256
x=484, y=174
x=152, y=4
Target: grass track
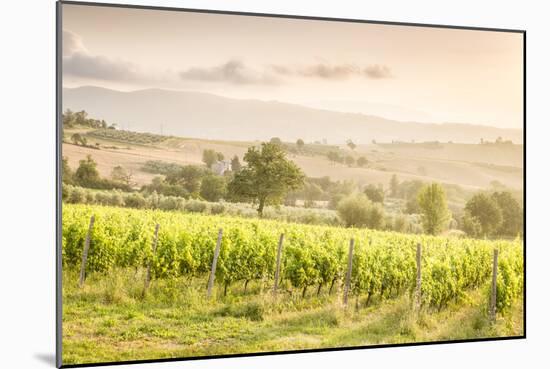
x=110, y=319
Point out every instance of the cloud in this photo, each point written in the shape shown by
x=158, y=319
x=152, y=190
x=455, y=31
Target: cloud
x=72, y=43
x=378, y=71
x=100, y=67
x=234, y=71
x=79, y=62
x=326, y=71
x=333, y=72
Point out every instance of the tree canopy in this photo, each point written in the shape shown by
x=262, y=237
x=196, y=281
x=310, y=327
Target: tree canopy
x=483, y=209
x=374, y=193
x=357, y=210
x=267, y=177
x=433, y=205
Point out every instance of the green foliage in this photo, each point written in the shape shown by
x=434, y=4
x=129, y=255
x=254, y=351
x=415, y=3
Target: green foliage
x=189, y=177
x=195, y=206
x=87, y=175
x=209, y=157
x=78, y=139
x=80, y=118
x=335, y=156
x=383, y=264
x=160, y=167
x=374, y=193
x=121, y=175
x=486, y=212
x=412, y=206
x=362, y=161
x=509, y=278
x=394, y=185
x=139, y=138
x=267, y=177
x=433, y=204
x=512, y=214
x=213, y=188
x=312, y=192
x=358, y=211
x=235, y=164
x=67, y=174
x=472, y=226
x=163, y=187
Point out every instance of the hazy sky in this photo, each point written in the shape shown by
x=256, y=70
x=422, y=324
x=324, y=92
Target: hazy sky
x=399, y=72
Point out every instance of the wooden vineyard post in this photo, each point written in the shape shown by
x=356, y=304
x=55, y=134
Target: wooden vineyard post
x=348, y=274
x=493, y=307
x=85, y=251
x=278, y=266
x=155, y=239
x=418, y=295
x=214, y=262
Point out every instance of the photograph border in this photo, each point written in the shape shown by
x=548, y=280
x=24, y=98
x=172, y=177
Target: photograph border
x=58, y=181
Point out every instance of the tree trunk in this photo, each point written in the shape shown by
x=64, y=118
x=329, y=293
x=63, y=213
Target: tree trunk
x=304, y=292
x=261, y=208
x=246, y=285
x=319, y=289
x=225, y=289
x=331, y=286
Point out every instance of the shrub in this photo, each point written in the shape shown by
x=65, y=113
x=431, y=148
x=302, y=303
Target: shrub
x=170, y=203
x=77, y=195
x=358, y=211
x=195, y=206
x=217, y=208
x=116, y=199
x=135, y=200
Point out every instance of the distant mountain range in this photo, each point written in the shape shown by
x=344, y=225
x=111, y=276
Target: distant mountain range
x=208, y=116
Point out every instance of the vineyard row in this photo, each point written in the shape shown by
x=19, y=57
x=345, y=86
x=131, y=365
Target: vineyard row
x=385, y=264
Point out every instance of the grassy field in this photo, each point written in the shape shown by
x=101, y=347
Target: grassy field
x=111, y=318
x=471, y=166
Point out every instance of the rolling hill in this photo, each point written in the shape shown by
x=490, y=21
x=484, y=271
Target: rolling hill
x=208, y=116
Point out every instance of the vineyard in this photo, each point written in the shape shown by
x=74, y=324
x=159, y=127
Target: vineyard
x=142, y=138
x=313, y=258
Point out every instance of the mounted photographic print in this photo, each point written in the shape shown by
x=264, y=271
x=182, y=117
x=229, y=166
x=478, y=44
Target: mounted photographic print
x=245, y=184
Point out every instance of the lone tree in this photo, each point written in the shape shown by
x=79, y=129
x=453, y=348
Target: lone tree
x=374, y=193
x=300, y=143
x=362, y=161
x=119, y=174
x=267, y=177
x=209, y=157
x=433, y=205
x=86, y=174
x=78, y=139
x=483, y=210
x=351, y=145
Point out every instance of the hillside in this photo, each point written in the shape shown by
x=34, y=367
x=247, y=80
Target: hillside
x=207, y=116
x=471, y=166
